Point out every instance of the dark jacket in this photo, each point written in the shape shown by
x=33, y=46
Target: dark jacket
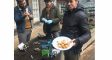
x=75, y=25
x=19, y=19
x=55, y=16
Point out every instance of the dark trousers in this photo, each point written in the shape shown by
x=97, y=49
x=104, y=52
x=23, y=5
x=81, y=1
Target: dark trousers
x=70, y=55
x=25, y=36
x=67, y=55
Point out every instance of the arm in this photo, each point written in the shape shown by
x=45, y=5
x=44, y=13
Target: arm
x=31, y=13
x=84, y=27
x=17, y=16
x=42, y=16
x=57, y=16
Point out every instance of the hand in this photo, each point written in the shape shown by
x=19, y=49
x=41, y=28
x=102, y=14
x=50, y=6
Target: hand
x=74, y=41
x=27, y=18
x=44, y=19
x=26, y=14
x=49, y=21
x=55, y=51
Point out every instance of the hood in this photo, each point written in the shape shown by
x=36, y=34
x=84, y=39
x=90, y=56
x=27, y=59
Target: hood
x=79, y=8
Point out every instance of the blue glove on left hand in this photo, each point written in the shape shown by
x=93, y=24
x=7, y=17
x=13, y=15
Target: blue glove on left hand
x=44, y=19
x=49, y=21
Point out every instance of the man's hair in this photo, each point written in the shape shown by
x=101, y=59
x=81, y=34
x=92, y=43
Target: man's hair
x=48, y=0
x=19, y=0
x=69, y=0
x=27, y=2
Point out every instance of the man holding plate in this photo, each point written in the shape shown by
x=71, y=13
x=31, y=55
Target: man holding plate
x=75, y=26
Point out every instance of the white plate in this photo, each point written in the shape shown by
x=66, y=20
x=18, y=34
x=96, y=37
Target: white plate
x=56, y=40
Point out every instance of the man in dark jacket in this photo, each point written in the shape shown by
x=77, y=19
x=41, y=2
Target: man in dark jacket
x=51, y=18
x=23, y=18
x=75, y=26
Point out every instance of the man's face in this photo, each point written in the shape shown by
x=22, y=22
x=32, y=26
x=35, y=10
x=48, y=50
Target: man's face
x=48, y=4
x=22, y=3
x=71, y=4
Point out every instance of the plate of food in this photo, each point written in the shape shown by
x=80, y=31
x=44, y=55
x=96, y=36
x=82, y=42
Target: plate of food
x=62, y=43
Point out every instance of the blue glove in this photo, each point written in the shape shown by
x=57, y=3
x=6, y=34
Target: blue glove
x=49, y=21
x=44, y=19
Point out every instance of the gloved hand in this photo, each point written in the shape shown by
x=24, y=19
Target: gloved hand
x=49, y=21
x=55, y=51
x=44, y=19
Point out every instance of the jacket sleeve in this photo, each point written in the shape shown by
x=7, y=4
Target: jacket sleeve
x=17, y=16
x=57, y=16
x=42, y=15
x=31, y=12
x=84, y=28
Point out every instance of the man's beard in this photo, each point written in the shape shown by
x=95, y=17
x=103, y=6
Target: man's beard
x=23, y=7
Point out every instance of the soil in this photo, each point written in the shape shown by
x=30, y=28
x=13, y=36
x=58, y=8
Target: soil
x=26, y=55
x=87, y=54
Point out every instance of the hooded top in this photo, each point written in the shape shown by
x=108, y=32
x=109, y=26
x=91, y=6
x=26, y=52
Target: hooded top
x=75, y=25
